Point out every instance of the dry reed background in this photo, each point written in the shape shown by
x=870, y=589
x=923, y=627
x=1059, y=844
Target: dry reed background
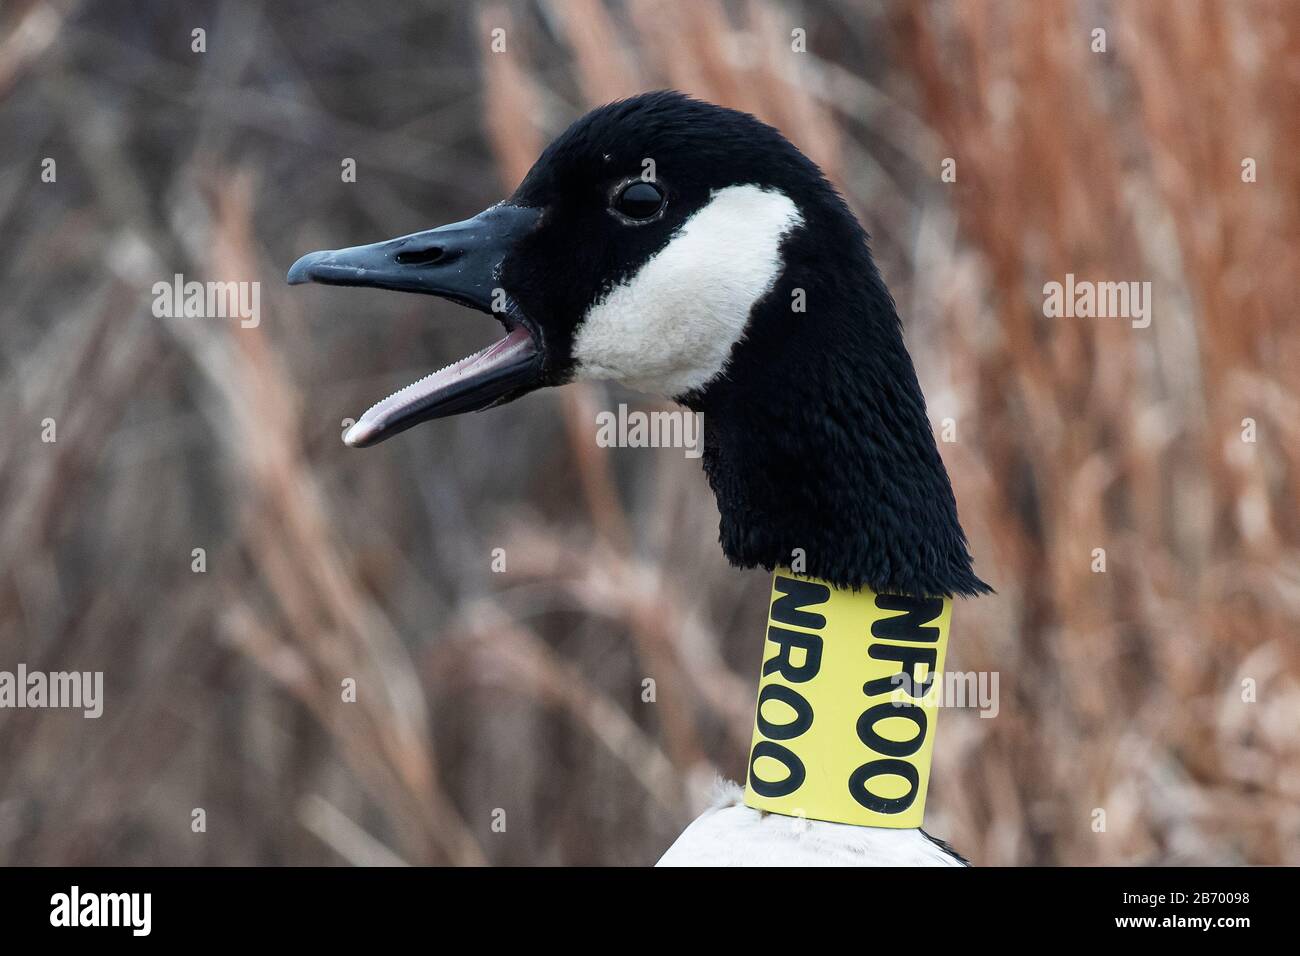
x=522, y=691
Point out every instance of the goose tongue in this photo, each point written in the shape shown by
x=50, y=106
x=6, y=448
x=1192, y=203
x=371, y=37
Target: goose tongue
x=473, y=383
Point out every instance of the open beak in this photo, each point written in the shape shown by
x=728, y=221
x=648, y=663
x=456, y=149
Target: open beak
x=460, y=262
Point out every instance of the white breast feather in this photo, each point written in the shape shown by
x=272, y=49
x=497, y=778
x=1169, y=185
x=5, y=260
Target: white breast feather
x=732, y=834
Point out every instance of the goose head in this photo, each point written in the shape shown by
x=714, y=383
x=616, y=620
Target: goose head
x=690, y=251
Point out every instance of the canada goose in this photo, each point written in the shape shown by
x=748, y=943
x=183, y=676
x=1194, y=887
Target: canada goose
x=691, y=251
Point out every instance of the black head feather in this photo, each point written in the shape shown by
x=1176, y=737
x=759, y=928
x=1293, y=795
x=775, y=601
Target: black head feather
x=816, y=435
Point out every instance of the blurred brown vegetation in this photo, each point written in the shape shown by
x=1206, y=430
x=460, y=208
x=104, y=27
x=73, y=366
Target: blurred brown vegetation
x=522, y=691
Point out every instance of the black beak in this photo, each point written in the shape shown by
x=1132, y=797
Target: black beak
x=458, y=262
x=461, y=262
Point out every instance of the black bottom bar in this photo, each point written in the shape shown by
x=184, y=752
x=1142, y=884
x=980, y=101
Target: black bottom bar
x=450, y=907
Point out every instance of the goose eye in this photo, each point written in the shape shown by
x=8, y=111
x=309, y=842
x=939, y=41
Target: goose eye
x=639, y=200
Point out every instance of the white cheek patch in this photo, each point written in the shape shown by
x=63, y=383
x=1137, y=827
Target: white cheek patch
x=670, y=328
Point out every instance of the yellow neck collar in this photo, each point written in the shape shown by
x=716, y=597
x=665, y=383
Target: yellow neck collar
x=847, y=701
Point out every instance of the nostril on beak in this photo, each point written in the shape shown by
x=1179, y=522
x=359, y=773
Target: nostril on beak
x=420, y=257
